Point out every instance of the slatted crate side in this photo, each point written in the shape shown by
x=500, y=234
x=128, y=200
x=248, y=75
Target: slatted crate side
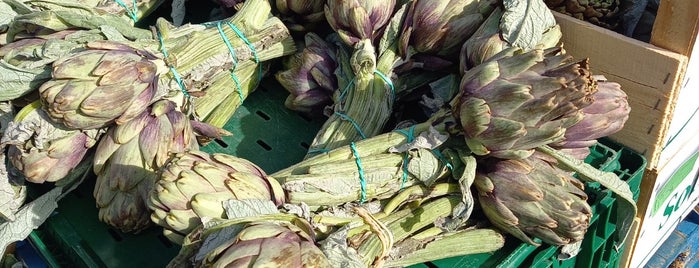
x=651, y=76
x=676, y=26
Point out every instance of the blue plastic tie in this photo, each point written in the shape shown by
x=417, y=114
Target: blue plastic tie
x=356, y=126
x=360, y=170
x=178, y=79
x=410, y=135
x=132, y=12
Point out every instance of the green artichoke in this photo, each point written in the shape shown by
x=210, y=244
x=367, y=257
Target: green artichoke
x=356, y=20
x=42, y=150
x=518, y=101
x=605, y=116
x=532, y=197
x=487, y=41
x=127, y=158
x=604, y=13
x=88, y=89
x=253, y=242
x=194, y=184
x=309, y=76
x=301, y=15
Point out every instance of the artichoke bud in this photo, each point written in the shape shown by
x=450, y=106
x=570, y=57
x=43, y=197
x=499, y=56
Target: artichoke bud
x=200, y=182
x=441, y=27
x=355, y=20
x=605, y=116
x=301, y=15
x=527, y=103
x=558, y=214
x=97, y=87
x=309, y=76
x=271, y=243
x=127, y=160
x=42, y=150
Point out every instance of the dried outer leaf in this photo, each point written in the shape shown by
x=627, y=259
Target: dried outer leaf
x=337, y=188
x=627, y=206
x=524, y=21
x=462, y=212
x=339, y=253
x=12, y=190
x=248, y=207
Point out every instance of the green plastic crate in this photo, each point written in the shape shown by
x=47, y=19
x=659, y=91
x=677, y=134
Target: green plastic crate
x=273, y=137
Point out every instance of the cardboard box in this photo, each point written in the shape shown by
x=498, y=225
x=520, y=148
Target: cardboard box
x=672, y=198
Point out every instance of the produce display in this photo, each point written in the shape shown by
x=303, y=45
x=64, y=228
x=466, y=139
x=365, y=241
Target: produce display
x=455, y=124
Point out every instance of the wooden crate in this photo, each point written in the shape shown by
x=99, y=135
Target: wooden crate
x=650, y=75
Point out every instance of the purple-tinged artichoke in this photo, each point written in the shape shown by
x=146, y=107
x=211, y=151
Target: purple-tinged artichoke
x=356, y=20
x=310, y=76
x=88, y=89
x=517, y=101
x=439, y=28
x=42, y=150
x=194, y=184
x=605, y=116
x=531, y=197
x=301, y=15
x=128, y=157
x=277, y=241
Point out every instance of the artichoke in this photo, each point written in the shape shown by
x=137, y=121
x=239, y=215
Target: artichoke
x=88, y=89
x=487, y=41
x=310, y=76
x=262, y=243
x=532, y=197
x=194, y=184
x=127, y=158
x=604, y=13
x=441, y=27
x=605, y=116
x=301, y=15
x=42, y=150
x=356, y=20
x=518, y=101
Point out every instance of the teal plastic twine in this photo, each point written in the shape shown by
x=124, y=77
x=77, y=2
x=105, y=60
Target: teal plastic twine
x=356, y=126
x=178, y=79
x=360, y=170
x=410, y=135
x=250, y=46
x=444, y=160
x=132, y=12
x=235, y=61
x=388, y=82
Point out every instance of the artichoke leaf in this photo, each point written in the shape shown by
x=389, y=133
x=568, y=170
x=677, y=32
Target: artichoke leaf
x=15, y=81
x=248, y=208
x=524, y=22
x=627, y=206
